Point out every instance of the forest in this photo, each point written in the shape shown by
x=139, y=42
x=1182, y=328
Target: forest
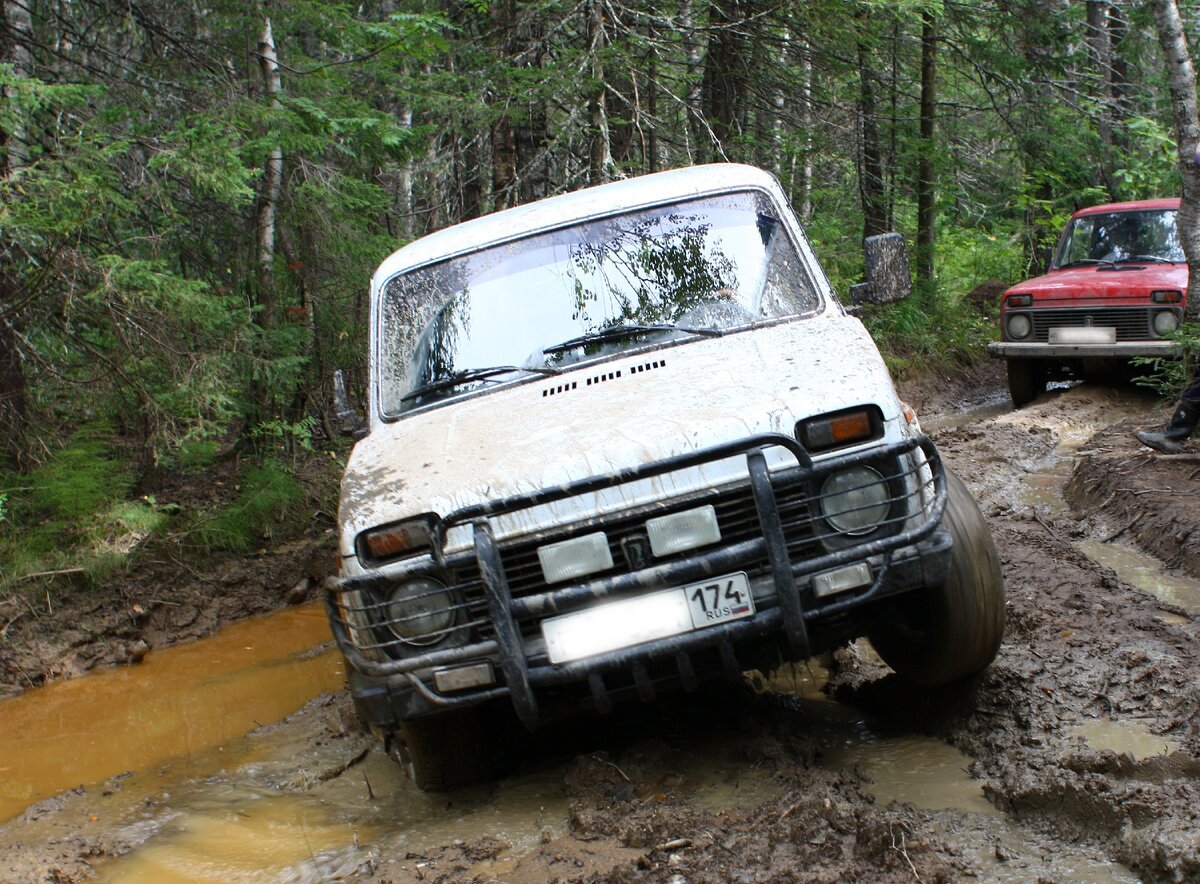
x=193, y=197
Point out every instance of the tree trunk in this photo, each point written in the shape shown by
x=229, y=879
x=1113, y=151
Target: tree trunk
x=600, y=152
x=1181, y=79
x=805, y=186
x=870, y=174
x=272, y=184
x=694, y=97
x=1100, y=89
x=723, y=81
x=926, y=196
x=14, y=403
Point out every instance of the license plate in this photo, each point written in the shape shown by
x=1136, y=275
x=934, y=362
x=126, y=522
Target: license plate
x=1094, y=334
x=627, y=622
x=719, y=600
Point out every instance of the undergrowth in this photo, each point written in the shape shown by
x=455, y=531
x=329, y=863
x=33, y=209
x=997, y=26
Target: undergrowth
x=271, y=501
x=919, y=334
x=79, y=518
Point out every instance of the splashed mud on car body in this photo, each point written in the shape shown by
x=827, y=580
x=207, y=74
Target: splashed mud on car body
x=628, y=441
x=715, y=392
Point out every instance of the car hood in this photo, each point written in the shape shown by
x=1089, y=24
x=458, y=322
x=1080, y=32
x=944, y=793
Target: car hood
x=610, y=415
x=1087, y=282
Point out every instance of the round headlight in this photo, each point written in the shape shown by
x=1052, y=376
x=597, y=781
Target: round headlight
x=420, y=611
x=1165, y=322
x=855, y=501
x=1019, y=326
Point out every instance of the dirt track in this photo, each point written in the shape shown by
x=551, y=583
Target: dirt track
x=780, y=783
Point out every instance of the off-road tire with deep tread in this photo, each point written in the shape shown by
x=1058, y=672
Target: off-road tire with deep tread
x=962, y=621
x=1026, y=380
x=444, y=752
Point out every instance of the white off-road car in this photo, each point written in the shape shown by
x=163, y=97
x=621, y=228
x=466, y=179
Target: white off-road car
x=624, y=442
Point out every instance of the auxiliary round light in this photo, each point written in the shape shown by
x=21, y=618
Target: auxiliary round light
x=420, y=611
x=1165, y=322
x=1019, y=326
x=855, y=500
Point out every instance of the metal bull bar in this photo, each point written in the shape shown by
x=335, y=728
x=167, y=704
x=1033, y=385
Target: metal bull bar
x=504, y=611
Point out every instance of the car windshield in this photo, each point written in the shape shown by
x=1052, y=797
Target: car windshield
x=1111, y=237
x=539, y=304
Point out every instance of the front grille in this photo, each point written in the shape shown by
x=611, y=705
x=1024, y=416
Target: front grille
x=1131, y=323
x=361, y=605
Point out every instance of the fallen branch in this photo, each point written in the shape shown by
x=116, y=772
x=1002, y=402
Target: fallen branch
x=1049, y=530
x=50, y=573
x=903, y=852
x=12, y=620
x=675, y=844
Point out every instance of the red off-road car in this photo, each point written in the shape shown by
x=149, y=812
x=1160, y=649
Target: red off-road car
x=1114, y=289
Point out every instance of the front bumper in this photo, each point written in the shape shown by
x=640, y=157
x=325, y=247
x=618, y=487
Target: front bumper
x=1119, y=350
x=781, y=546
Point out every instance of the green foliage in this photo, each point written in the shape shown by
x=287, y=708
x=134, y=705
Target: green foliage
x=968, y=256
x=73, y=514
x=1169, y=377
x=81, y=479
x=1150, y=170
x=270, y=499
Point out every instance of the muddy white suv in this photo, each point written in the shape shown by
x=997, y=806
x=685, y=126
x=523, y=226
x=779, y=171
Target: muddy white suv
x=624, y=442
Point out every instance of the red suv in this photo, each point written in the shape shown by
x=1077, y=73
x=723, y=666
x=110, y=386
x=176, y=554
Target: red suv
x=1114, y=289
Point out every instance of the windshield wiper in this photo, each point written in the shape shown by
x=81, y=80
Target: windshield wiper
x=1145, y=259
x=467, y=375
x=1087, y=262
x=617, y=332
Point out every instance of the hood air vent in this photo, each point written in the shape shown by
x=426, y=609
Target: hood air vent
x=604, y=377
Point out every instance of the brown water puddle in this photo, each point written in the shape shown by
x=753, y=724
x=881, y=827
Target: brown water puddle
x=1145, y=572
x=1131, y=737
x=177, y=703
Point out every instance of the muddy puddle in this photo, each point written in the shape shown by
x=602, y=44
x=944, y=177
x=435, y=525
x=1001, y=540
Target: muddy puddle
x=1145, y=572
x=170, y=709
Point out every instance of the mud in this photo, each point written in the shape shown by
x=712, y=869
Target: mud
x=1076, y=757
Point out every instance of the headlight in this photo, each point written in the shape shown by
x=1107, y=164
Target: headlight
x=855, y=500
x=1165, y=322
x=1019, y=326
x=420, y=611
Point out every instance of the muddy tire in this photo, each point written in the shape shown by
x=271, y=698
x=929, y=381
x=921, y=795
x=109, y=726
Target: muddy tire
x=443, y=752
x=1026, y=380
x=961, y=622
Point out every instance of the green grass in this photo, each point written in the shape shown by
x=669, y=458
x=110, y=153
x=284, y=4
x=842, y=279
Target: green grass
x=271, y=501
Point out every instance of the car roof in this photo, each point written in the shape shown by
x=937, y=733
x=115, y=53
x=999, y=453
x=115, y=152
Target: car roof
x=1135, y=205
x=558, y=211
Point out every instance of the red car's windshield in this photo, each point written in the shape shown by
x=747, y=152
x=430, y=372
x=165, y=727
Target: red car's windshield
x=1111, y=237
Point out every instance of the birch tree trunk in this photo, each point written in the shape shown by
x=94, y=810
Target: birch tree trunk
x=272, y=184
x=1181, y=79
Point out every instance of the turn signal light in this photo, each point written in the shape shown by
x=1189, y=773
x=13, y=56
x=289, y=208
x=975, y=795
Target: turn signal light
x=1166, y=297
x=402, y=538
x=840, y=428
x=1019, y=300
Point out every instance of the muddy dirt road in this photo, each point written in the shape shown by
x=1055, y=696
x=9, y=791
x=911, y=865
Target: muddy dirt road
x=1077, y=757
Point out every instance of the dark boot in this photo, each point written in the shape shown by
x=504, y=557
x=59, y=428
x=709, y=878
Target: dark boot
x=1171, y=439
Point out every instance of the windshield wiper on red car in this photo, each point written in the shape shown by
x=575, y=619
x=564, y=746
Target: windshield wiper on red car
x=467, y=375
x=1087, y=262
x=617, y=332
x=1145, y=259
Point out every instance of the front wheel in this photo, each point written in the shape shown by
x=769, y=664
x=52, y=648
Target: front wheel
x=443, y=752
x=959, y=625
x=1026, y=380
